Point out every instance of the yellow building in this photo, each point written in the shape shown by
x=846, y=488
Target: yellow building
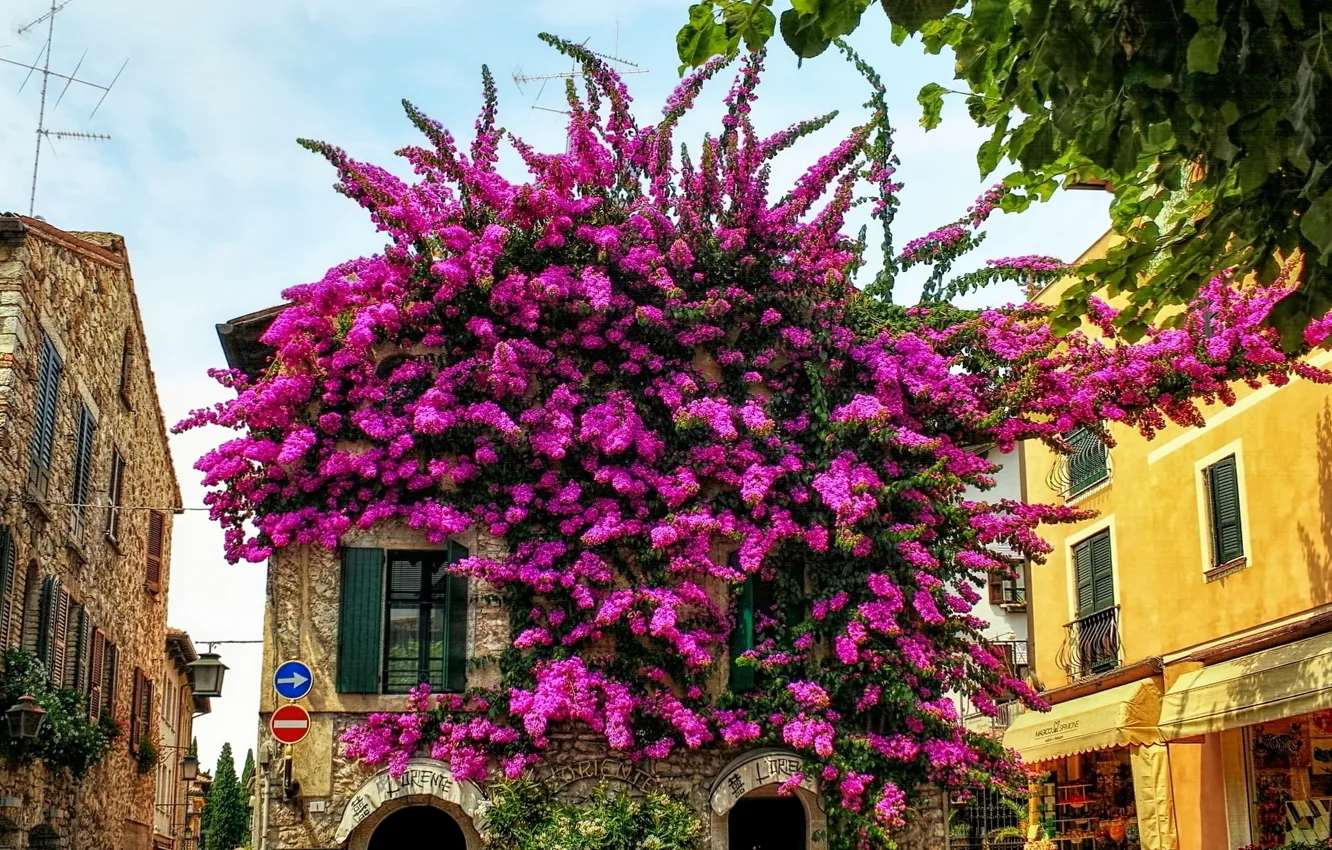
x=1184, y=634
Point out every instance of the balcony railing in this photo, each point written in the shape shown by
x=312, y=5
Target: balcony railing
x=1019, y=667
x=1091, y=644
x=1085, y=466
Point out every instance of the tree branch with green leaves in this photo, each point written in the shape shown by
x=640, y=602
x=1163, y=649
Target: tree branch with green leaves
x=1208, y=119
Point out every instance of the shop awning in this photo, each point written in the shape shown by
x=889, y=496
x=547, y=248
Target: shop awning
x=1118, y=717
x=1280, y=682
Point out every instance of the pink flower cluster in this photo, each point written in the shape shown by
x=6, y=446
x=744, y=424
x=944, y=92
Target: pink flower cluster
x=632, y=365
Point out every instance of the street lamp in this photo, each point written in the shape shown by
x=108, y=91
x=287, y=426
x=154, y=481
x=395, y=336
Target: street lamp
x=206, y=675
x=25, y=719
x=189, y=769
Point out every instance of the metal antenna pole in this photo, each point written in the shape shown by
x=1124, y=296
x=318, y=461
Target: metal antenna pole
x=41, y=110
x=44, y=70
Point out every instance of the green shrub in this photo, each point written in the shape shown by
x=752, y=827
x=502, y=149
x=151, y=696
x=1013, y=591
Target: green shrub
x=67, y=739
x=523, y=815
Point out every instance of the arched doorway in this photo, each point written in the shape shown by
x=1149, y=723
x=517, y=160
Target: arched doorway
x=767, y=823
x=425, y=827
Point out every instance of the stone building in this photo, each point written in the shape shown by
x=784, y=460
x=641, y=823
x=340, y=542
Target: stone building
x=87, y=495
x=179, y=707
x=365, y=618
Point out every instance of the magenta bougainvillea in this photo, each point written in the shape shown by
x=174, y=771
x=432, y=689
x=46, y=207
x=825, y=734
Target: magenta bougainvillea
x=655, y=379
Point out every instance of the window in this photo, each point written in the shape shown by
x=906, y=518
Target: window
x=115, y=492
x=402, y=621
x=1088, y=464
x=1094, y=633
x=1007, y=592
x=156, y=532
x=1222, y=480
x=83, y=451
x=425, y=617
x=49, y=370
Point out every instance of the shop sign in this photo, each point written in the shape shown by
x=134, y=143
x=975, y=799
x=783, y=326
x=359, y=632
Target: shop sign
x=614, y=770
x=1058, y=730
x=770, y=768
x=422, y=778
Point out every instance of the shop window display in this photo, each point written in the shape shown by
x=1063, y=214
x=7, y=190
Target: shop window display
x=1291, y=761
x=1087, y=803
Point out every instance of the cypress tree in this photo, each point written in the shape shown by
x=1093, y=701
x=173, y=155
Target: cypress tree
x=225, y=813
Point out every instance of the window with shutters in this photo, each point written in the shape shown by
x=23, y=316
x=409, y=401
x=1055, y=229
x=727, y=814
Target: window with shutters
x=1221, y=481
x=115, y=493
x=156, y=532
x=82, y=479
x=1093, y=642
x=425, y=621
x=49, y=370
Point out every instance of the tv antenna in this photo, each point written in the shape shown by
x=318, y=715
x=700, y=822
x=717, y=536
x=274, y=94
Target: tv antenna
x=42, y=67
x=625, y=67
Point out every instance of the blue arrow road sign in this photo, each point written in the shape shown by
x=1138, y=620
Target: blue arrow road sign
x=293, y=680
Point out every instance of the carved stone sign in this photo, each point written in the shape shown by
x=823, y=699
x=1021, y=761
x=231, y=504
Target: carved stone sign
x=768, y=767
x=423, y=778
x=612, y=770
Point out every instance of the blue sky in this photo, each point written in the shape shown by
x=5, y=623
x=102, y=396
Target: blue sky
x=221, y=209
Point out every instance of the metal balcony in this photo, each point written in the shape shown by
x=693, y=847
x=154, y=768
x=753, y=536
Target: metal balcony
x=1015, y=658
x=1091, y=644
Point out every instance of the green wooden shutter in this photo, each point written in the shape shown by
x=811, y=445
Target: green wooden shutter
x=1103, y=574
x=46, y=620
x=49, y=369
x=1227, y=536
x=360, y=617
x=455, y=626
x=83, y=446
x=742, y=638
x=1082, y=568
x=8, y=586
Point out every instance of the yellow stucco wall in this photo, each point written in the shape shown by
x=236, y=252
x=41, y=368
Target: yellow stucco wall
x=1155, y=508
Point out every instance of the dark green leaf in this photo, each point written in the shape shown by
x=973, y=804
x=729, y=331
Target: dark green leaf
x=760, y=29
x=803, y=35
x=911, y=14
x=1205, y=50
x=931, y=99
x=1202, y=11
x=839, y=17
x=701, y=38
x=989, y=154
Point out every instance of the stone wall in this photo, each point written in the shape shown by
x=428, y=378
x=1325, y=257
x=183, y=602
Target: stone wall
x=76, y=288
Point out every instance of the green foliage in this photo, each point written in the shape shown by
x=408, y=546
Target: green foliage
x=523, y=815
x=247, y=775
x=68, y=739
x=225, y=814
x=146, y=759
x=1211, y=120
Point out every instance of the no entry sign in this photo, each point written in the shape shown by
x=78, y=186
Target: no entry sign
x=290, y=724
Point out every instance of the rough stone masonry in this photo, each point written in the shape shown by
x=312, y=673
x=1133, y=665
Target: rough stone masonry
x=85, y=523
